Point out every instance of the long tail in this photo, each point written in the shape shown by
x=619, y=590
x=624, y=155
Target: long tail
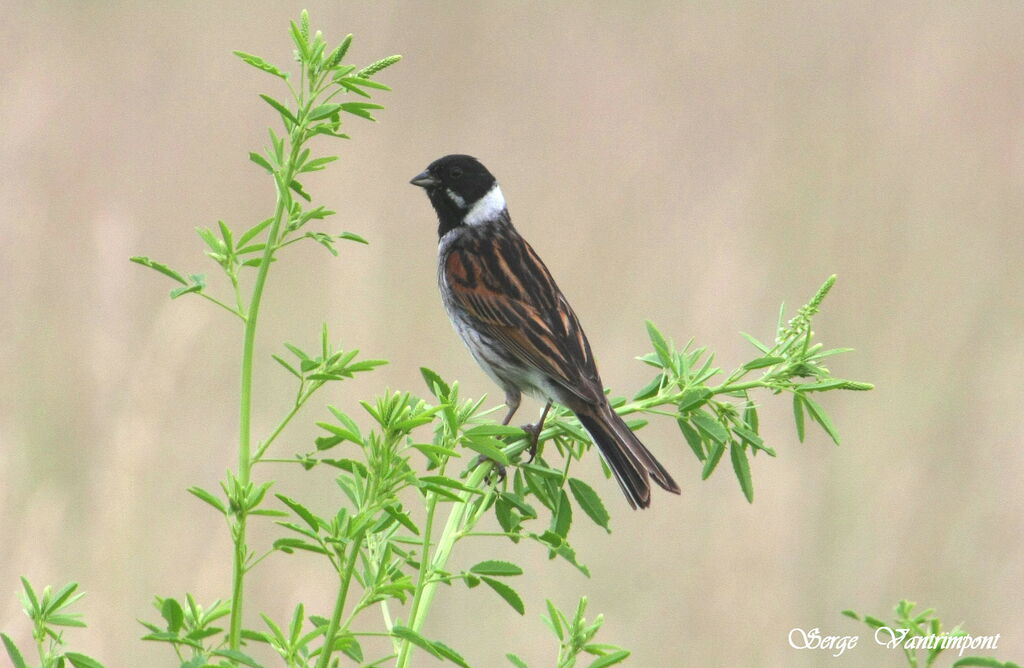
x=632, y=463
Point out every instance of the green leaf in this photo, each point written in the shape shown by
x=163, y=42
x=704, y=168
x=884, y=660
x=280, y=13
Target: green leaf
x=650, y=389
x=590, y=502
x=407, y=634
x=171, y=611
x=661, y=346
x=554, y=620
x=237, y=657
x=162, y=268
x=402, y=518
x=281, y=109
x=496, y=568
x=754, y=342
x=301, y=511
x=445, y=481
x=12, y=651
x=287, y=366
x=435, y=383
x=318, y=164
x=260, y=64
x=448, y=653
x=694, y=398
x=507, y=593
x=522, y=506
x=982, y=661
x=30, y=594
x=298, y=190
x=561, y=520
x=819, y=415
x=261, y=161
x=741, y=466
x=610, y=659
x=352, y=236
x=710, y=426
x=82, y=661
x=798, y=415
x=714, y=456
x=324, y=111
x=63, y=598
x=487, y=448
x=74, y=621
x=360, y=109
x=300, y=41
x=516, y=661
x=367, y=83
x=251, y=233
x=693, y=439
x=762, y=362
x=208, y=497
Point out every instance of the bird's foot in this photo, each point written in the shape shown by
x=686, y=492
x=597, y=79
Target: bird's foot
x=496, y=468
x=533, y=431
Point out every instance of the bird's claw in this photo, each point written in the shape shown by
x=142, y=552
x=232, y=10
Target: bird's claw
x=496, y=467
x=533, y=431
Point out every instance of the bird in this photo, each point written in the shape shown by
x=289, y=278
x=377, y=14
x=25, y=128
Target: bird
x=517, y=324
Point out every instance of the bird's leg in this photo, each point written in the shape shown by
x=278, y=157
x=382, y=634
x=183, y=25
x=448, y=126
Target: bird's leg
x=512, y=400
x=534, y=431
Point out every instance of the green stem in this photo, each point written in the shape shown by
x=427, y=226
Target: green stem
x=339, y=604
x=426, y=587
x=245, y=409
x=258, y=457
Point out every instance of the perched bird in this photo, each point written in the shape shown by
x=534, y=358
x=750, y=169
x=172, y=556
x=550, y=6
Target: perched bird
x=515, y=321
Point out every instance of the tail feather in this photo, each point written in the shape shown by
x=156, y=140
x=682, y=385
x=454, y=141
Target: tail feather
x=630, y=461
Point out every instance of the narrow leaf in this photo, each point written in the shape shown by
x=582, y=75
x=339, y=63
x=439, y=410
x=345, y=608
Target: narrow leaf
x=496, y=568
x=590, y=502
x=507, y=593
x=12, y=651
x=162, y=268
x=798, y=415
x=260, y=64
x=261, y=161
x=82, y=661
x=710, y=426
x=762, y=362
x=281, y=109
x=819, y=415
x=693, y=439
x=741, y=466
x=610, y=659
x=714, y=456
x=208, y=497
x=405, y=633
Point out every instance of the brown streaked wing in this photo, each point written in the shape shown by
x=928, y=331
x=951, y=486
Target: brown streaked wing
x=505, y=287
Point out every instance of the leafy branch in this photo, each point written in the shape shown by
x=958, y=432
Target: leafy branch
x=914, y=632
x=50, y=612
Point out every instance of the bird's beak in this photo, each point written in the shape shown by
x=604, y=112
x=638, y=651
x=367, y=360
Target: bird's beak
x=425, y=180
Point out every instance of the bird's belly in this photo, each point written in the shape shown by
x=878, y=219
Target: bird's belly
x=501, y=365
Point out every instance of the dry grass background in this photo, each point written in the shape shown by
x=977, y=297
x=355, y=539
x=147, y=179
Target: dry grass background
x=691, y=163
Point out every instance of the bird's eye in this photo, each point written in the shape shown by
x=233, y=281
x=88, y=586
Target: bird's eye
x=455, y=173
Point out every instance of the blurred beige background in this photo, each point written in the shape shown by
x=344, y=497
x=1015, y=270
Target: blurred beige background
x=689, y=163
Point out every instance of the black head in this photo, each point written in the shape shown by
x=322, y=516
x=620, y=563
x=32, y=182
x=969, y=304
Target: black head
x=461, y=190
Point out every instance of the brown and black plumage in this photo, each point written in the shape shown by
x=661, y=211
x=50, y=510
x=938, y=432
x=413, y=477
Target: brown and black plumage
x=517, y=324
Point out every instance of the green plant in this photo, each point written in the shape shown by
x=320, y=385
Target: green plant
x=49, y=612
x=917, y=632
x=417, y=475
x=574, y=638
